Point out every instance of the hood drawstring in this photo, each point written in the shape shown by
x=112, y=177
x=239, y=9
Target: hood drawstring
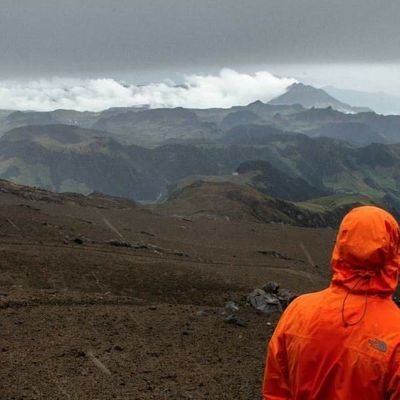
x=350, y=291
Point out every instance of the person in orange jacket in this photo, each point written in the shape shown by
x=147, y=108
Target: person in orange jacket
x=343, y=343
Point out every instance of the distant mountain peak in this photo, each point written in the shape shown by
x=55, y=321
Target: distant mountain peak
x=302, y=86
x=308, y=96
x=257, y=103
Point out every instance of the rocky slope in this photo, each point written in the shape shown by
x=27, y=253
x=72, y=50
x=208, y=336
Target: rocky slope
x=234, y=202
x=100, y=299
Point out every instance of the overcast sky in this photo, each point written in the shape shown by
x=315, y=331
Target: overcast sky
x=39, y=37
x=320, y=41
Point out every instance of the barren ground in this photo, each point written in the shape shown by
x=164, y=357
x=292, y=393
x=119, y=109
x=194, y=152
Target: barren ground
x=81, y=318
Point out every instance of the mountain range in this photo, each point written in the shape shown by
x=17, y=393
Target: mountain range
x=290, y=150
x=302, y=109
x=289, y=166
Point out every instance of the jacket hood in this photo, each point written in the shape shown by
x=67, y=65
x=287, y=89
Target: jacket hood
x=366, y=255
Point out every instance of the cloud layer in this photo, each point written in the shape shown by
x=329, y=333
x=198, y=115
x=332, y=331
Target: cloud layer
x=226, y=89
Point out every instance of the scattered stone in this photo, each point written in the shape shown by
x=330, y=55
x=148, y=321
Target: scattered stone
x=201, y=313
x=147, y=233
x=153, y=308
x=120, y=243
x=181, y=254
x=274, y=254
x=234, y=320
x=271, y=287
x=139, y=246
x=231, y=307
x=285, y=297
x=155, y=248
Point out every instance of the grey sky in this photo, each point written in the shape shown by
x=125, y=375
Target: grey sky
x=41, y=38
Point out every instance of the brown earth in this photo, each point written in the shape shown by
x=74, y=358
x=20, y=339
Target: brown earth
x=84, y=316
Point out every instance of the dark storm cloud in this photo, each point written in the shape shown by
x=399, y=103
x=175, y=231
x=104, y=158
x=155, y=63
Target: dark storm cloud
x=78, y=37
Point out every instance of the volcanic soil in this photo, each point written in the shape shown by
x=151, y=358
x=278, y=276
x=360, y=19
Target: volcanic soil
x=101, y=299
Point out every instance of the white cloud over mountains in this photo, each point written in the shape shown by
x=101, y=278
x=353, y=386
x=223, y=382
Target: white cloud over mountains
x=226, y=89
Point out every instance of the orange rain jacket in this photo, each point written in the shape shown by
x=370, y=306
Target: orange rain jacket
x=343, y=343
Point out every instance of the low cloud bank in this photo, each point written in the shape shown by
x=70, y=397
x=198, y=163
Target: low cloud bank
x=228, y=88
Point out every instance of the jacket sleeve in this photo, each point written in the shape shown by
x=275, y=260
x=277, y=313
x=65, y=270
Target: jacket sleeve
x=276, y=378
x=393, y=392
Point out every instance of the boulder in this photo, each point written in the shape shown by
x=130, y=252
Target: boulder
x=264, y=301
x=271, y=298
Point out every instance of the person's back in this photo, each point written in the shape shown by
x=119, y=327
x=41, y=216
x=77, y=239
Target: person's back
x=344, y=342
